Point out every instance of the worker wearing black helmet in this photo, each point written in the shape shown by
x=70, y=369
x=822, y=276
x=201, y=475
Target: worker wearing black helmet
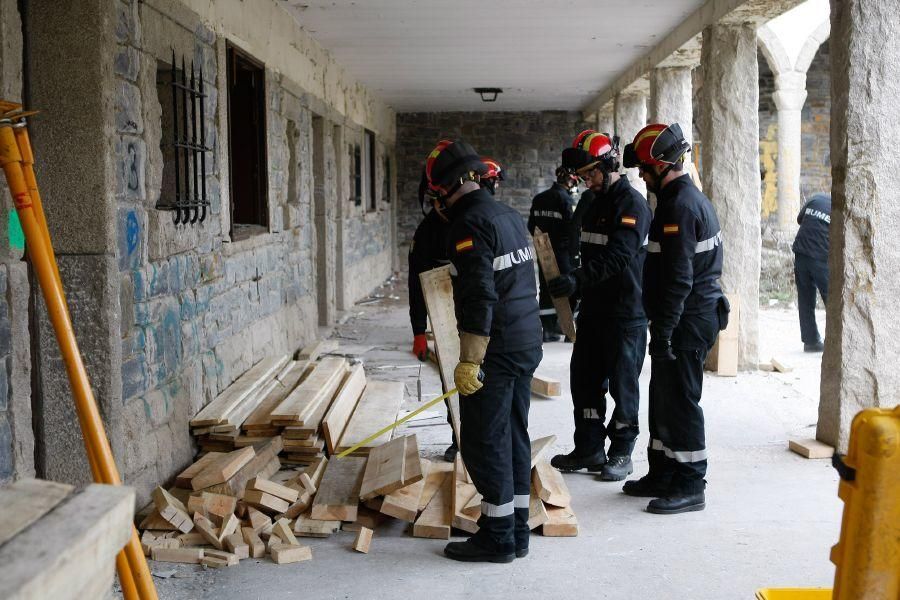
x=612, y=327
x=492, y=269
x=687, y=309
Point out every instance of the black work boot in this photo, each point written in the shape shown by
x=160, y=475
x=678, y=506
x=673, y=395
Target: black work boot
x=648, y=486
x=450, y=452
x=575, y=462
x=677, y=502
x=523, y=532
x=814, y=347
x=549, y=336
x=469, y=551
x=617, y=468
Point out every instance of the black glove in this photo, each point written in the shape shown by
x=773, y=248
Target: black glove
x=661, y=348
x=563, y=286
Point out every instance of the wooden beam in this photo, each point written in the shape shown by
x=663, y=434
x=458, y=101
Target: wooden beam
x=264, y=463
x=338, y=496
x=435, y=520
x=26, y=501
x=437, y=473
x=403, y=504
x=318, y=387
x=391, y=466
x=282, y=528
x=338, y=415
x=222, y=468
x=289, y=378
x=363, y=540
x=561, y=522
x=723, y=357
x=377, y=408
x=177, y=555
x=270, y=487
x=256, y=546
x=215, y=507
x=314, y=350
x=236, y=545
x=811, y=448
x=183, y=479
x=172, y=510
x=546, y=386
x=217, y=411
x=550, y=269
x=465, y=492
x=550, y=485
x=266, y=502
x=537, y=512
x=539, y=448
x=305, y=526
x=285, y=553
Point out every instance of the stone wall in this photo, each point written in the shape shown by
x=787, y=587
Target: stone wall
x=527, y=145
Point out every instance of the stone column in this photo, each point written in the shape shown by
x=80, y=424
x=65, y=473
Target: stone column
x=862, y=339
x=630, y=117
x=790, y=94
x=606, y=122
x=671, y=98
x=730, y=126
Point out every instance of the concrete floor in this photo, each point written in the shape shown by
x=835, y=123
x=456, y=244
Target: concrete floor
x=771, y=519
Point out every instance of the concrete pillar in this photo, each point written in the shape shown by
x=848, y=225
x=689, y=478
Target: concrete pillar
x=606, y=122
x=671, y=98
x=863, y=335
x=790, y=94
x=730, y=126
x=630, y=117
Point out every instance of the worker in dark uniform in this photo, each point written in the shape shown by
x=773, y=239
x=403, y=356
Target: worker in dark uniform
x=811, y=266
x=687, y=309
x=612, y=326
x=551, y=212
x=492, y=268
x=428, y=250
x=491, y=179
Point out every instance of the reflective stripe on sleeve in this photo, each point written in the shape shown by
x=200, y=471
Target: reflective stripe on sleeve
x=494, y=510
x=547, y=311
x=682, y=456
x=522, y=501
x=710, y=244
x=621, y=425
x=594, y=238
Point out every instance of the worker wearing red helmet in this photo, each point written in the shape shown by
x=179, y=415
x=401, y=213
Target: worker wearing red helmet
x=687, y=309
x=612, y=326
x=494, y=294
x=493, y=176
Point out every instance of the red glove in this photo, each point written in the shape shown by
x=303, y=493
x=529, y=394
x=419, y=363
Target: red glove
x=420, y=347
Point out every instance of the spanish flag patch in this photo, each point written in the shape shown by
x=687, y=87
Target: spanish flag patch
x=670, y=229
x=464, y=245
x=629, y=220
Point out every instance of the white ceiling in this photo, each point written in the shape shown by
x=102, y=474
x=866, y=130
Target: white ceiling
x=427, y=55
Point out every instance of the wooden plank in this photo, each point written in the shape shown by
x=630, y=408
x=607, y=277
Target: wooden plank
x=255, y=545
x=537, y=512
x=183, y=479
x=26, y=501
x=282, y=528
x=305, y=526
x=223, y=468
x=561, y=522
x=289, y=378
x=723, y=357
x=550, y=269
x=437, y=288
x=780, y=366
x=338, y=495
x=435, y=520
x=315, y=389
x=215, y=507
x=403, y=504
x=177, y=555
x=300, y=506
x=62, y=554
x=437, y=473
x=172, y=510
x=377, y=408
x=217, y=411
x=194, y=538
x=363, y=540
x=550, y=485
x=465, y=492
x=270, y=487
x=545, y=386
x=313, y=422
x=365, y=517
x=811, y=448
x=539, y=448
x=209, y=532
x=285, y=553
x=236, y=545
x=265, y=502
x=156, y=522
x=391, y=466
x=316, y=349
x=338, y=415
x=264, y=464
x=257, y=519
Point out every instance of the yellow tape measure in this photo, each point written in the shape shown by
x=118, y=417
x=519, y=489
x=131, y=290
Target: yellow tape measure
x=375, y=435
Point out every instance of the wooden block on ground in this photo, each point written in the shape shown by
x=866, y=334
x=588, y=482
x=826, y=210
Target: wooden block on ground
x=217, y=559
x=236, y=545
x=561, y=522
x=546, y=386
x=391, y=466
x=177, y=555
x=537, y=512
x=780, y=366
x=304, y=526
x=723, y=357
x=335, y=420
x=550, y=269
x=472, y=508
x=270, y=487
x=217, y=411
x=156, y=522
x=365, y=517
x=377, y=408
x=282, y=528
x=172, y=510
x=222, y=468
x=550, y=485
x=811, y=448
x=338, y=495
x=257, y=519
x=403, y=504
x=148, y=547
x=363, y=539
x=465, y=492
x=286, y=553
x=435, y=520
x=229, y=526
x=316, y=349
x=194, y=538
x=208, y=531
x=300, y=506
x=264, y=464
x=265, y=502
x=539, y=448
x=215, y=507
x=26, y=501
x=255, y=545
x=183, y=480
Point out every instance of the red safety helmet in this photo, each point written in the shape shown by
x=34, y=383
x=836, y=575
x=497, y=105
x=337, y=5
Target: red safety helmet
x=493, y=169
x=449, y=163
x=658, y=144
x=429, y=161
x=580, y=137
x=599, y=148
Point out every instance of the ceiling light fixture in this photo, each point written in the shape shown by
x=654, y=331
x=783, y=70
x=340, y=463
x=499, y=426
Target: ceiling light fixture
x=488, y=94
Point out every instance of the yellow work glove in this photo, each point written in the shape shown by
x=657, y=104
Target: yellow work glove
x=472, y=349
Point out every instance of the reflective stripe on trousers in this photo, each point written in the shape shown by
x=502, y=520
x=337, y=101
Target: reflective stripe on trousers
x=682, y=456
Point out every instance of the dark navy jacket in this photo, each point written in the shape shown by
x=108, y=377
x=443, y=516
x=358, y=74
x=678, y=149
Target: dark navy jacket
x=551, y=212
x=613, y=248
x=492, y=268
x=684, y=260
x=814, y=220
x=427, y=251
